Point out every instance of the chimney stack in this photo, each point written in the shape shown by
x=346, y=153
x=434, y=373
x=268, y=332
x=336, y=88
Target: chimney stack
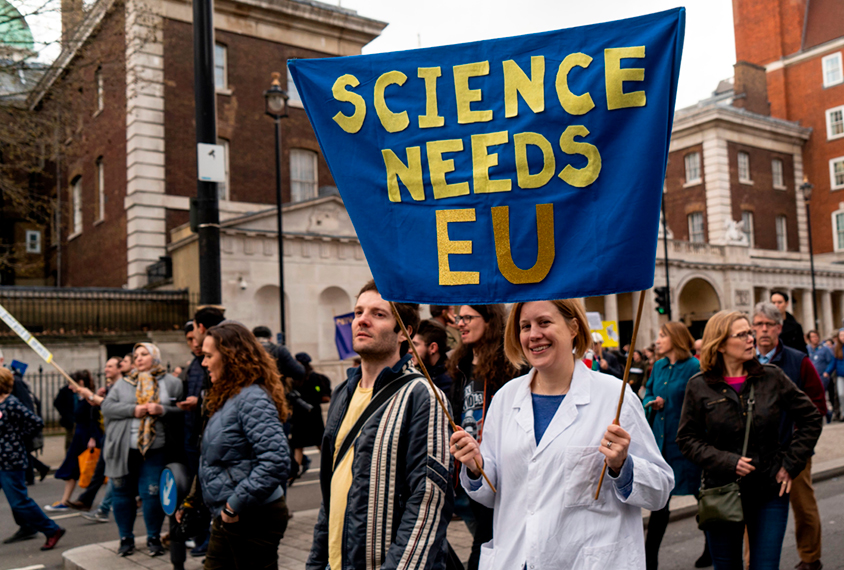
x=750, y=88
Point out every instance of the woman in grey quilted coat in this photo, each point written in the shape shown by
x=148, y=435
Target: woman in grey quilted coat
x=245, y=456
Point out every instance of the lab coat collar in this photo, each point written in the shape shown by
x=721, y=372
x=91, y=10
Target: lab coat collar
x=579, y=394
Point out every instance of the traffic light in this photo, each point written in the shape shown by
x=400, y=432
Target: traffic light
x=662, y=300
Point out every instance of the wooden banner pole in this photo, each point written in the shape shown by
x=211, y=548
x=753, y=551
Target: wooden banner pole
x=434, y=387
x=624, y=380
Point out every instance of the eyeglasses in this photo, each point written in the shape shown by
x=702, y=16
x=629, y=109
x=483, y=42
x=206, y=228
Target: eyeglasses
x=766, y=324
x=743, y=335
x=466, y=319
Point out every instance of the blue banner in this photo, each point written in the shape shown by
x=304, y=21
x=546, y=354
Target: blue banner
x=506, y=170
x=343, y=335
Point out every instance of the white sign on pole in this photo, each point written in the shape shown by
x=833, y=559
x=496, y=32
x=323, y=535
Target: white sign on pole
x=25, y=335
x=594, y=320
x=211, y=162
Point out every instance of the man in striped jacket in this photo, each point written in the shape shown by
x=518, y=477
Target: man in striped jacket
x=386, y=497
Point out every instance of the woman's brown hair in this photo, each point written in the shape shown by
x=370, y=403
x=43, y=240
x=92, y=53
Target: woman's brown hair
x=493, y=368
x=837, y=347
x=571, y=310
x=245, y=362
x=680, y=337
x=7, y=381
x=715, y=334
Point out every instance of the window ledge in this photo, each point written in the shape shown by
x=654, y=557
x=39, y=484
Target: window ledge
x=100, y=221
x=747, y=182
x=74, y=236
x=695, y=182
x=828, y=85
x=227, y=92
x=834, y=137
x=97, y=113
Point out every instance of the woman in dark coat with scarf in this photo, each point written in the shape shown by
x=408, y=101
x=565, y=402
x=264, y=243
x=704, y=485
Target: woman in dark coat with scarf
x=664, y=394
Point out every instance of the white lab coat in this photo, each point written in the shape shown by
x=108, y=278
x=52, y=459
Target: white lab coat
x=546, y=517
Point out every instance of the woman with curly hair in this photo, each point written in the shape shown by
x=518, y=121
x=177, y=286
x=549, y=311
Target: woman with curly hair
x=142, y=422
x=245, y=457
x=479, y=368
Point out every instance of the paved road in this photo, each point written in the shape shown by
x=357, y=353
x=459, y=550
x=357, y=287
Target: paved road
x=304, y=495
x=682, y=545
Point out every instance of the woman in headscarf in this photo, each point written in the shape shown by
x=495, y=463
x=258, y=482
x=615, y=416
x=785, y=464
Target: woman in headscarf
x=137, y=412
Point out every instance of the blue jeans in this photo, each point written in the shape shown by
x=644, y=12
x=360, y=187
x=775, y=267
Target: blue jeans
x=766, y=521
x=28, y=515
x=108, y=498
x=142, y=480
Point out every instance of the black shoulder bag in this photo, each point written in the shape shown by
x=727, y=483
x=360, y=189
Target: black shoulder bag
x=723, y=504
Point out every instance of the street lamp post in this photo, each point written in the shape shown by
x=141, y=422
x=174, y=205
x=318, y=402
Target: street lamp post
x=806, y=187
x=276, y=107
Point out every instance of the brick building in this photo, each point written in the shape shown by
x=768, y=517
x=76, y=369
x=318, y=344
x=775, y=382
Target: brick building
x=129, y=169
x=800, y=44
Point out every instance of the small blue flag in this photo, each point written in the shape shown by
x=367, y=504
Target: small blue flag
x=343, y=335
x=514, y=169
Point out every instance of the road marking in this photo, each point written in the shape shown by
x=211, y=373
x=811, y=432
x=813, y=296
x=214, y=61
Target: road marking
x=67, y=516
x=313, y=482
x=38, y=567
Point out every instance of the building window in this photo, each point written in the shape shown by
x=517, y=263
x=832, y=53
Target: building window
x=33, y=241
x=221, y=75
x=744, y=167
x=696, y=227
x=224, y=187
x=835, y=123
x=100, y=96
x=100, y=190
x=776, y=173
x=303, y=174
x=692, y=161
x=782, y=234
x=838, y=224
x=292, y=92
x=747, y=218
x=832, y=73
x=76, y=205
x=836, y=173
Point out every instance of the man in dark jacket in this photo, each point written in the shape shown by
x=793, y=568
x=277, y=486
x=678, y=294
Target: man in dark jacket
x=431, y=342
x=792, y=331
x=287, y=365
x=767, y=323
x=608, y=363
x=387, y=499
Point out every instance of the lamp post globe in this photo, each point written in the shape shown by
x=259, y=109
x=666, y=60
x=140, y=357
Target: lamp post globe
x=275, y=98
x=807, y=188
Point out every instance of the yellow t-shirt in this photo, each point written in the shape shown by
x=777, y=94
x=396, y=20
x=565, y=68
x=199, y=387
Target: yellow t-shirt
x=341, y=480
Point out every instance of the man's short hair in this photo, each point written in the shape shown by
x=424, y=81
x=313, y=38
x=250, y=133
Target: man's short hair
x=783, y=294
x=408, y=312
x=262, y=332
x=437, y=310
x=432, y=331
x=769, y=310
x=208, y=317
x=813, y=331
x=189, y=327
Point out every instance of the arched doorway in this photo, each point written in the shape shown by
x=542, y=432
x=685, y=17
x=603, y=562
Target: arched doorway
x=697, y=302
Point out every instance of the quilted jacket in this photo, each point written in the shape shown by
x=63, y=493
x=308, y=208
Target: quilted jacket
x=16, y=423
x=245, y=456
x=400, y=501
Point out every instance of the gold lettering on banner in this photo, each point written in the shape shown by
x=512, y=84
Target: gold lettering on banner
x=446, y=247
x=545, y=245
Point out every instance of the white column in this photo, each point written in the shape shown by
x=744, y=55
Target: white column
x=808, y=321
x=766, y=295
x=800, y=205
x=146, y=237
x=611, y=308
x=716, y=167
x=825, y=316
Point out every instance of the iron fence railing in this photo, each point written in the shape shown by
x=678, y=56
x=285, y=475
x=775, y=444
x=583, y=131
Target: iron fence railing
x=82, y=311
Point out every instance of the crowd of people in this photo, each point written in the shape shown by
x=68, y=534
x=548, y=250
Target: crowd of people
x=532, y=394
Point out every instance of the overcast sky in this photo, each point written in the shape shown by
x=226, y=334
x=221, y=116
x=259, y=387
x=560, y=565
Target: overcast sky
x=708, y=55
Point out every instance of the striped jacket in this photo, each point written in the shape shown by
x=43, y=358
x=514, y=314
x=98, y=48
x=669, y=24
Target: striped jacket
x=400, y=501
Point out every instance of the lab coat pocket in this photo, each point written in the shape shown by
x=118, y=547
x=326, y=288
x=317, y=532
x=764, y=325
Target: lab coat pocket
x=603, y=557
x=581, y=470
x=487, y=555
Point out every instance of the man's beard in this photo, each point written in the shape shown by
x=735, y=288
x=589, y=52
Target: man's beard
x=379, y=350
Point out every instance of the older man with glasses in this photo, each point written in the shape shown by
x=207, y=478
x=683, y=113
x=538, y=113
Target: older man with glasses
x=767, y=326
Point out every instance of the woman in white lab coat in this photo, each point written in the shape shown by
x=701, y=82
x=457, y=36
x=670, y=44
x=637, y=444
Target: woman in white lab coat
x=546, y=439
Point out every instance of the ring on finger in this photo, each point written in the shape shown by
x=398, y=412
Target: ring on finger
x=609, y=445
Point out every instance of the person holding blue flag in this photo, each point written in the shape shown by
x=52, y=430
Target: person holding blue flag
x=547, y=433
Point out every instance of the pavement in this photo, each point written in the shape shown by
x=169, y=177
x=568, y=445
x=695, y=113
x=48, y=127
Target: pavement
x=827, y=463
